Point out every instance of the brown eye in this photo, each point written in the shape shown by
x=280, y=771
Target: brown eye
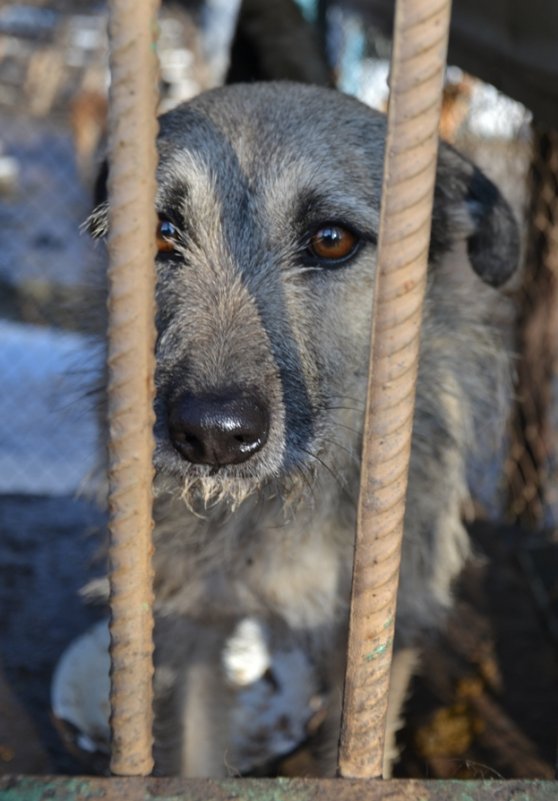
x=333, y=243
x=166, y=236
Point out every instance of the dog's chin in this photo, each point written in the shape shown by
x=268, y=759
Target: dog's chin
x=203, y=493
x=203, y=488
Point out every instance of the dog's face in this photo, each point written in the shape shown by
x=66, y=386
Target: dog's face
x=268, y=203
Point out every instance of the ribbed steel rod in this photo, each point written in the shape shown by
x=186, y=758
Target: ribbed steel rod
x=132, y=131
x=417, y=70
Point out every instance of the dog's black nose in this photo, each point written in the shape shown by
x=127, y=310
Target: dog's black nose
x=218, y=429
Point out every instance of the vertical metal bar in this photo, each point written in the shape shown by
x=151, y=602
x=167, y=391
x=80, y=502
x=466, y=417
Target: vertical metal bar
x=417, y=70
x=132, y=131
x=533, y=445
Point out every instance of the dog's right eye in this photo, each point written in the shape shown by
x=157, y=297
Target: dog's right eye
x=166, y=236
x=332, y=245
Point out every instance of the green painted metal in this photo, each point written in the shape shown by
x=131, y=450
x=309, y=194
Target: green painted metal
x=85, y=788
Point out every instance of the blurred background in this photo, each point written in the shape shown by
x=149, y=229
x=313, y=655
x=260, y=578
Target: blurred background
x=487, y=704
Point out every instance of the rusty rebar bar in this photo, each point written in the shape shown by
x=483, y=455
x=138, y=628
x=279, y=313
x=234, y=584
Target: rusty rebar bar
x=533, y=445
x=417, y=71
x=132, y=131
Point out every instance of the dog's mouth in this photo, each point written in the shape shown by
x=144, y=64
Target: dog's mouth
x=208, y=488
x=205, y=485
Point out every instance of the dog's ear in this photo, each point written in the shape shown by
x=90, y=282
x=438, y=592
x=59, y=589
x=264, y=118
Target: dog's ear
x=467, y=206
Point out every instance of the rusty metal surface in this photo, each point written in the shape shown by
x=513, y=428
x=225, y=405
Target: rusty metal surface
x=533, y=449
x=132, y=130
x=417, y=70
x=27, y=788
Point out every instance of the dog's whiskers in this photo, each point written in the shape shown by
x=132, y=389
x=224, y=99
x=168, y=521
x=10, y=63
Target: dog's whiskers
x=327, y=467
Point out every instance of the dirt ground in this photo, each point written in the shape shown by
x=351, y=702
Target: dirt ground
x=485, y=705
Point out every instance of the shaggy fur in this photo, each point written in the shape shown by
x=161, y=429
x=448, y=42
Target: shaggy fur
x=255, y=558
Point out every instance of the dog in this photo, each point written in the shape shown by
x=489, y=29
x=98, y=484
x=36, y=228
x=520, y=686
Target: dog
x=269, y=201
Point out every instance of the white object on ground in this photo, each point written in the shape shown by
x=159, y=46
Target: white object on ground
x=80, y=689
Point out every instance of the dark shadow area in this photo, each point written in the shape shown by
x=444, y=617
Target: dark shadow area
x=47, y=554
x=486, y=704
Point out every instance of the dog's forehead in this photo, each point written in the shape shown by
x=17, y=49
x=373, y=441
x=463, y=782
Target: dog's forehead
x=274, y=139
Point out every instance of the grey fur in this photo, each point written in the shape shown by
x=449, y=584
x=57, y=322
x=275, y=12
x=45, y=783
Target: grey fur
x=245, y=173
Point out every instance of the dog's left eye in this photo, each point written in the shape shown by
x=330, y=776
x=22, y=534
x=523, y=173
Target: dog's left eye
x=332, y=244
x=166, y=236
